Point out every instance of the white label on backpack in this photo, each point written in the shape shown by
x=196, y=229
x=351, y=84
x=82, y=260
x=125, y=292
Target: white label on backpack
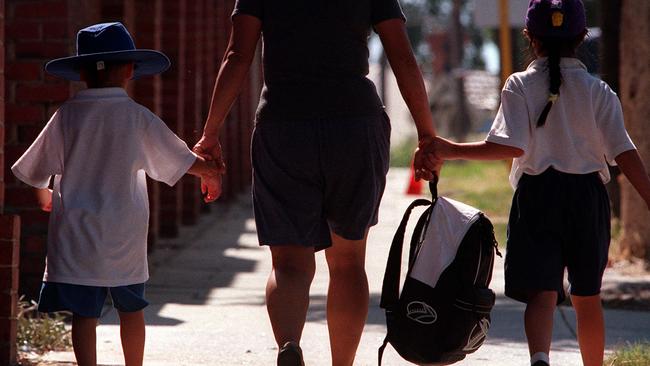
x=421, y=312
x=478, y=334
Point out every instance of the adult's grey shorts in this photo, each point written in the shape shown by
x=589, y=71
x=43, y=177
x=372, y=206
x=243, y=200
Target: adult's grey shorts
x=313, y=176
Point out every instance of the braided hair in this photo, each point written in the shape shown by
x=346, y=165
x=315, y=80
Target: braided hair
x=554, y=49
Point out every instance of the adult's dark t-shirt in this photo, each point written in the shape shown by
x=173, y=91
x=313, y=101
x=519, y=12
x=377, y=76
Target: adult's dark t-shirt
x=315, y=56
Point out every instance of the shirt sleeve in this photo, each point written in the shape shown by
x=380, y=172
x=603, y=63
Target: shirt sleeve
x=385, y=9
x=166, y=157
x=44, y=158
x=511, y=125
x=249, y=7
x=609, y=119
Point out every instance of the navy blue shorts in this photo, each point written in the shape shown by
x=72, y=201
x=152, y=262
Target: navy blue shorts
x=313, y=176
x=557, y=221
x=87, y=301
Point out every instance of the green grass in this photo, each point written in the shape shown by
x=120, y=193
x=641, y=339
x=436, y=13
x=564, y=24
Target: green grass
x=401, y=155
x=633, y=354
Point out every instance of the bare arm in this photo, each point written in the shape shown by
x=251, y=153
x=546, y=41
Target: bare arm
x=411, y=85
x=409, y=79
x=632, y=166
x=210, y=174
x=44, y=197
x=239, y=55
x=481, y=150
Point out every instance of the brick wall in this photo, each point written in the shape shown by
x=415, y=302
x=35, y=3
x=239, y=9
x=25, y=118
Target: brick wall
x=36, y=31
x=193, y=34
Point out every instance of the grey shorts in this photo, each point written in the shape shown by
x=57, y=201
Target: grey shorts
x=313, y=176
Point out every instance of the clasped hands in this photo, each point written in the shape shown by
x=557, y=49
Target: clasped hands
x=210, y=150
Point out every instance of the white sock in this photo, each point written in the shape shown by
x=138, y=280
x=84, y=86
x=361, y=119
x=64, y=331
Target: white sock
x=540, y=356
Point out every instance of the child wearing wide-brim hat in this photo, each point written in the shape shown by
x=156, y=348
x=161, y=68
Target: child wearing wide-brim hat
x=100, y=145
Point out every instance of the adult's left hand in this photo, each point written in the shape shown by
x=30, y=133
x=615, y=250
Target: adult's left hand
x=425, y=163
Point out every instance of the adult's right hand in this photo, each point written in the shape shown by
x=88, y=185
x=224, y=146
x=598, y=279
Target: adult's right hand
x=425, y=163
x=209, y=148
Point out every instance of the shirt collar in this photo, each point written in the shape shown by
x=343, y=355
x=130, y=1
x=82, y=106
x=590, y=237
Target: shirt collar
x=565, y=63
x=95, y=93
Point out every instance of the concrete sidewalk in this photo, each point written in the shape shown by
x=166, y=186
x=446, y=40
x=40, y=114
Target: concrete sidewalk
x=207, y=302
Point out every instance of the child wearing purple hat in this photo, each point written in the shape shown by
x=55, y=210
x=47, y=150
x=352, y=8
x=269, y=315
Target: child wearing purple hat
x=562, y=126
x=100, y=146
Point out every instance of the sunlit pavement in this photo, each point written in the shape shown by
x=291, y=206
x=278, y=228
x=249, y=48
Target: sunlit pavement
x=207, y=302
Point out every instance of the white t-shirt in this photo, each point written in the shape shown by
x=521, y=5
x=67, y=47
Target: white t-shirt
x=584, y=129
x=99, y=146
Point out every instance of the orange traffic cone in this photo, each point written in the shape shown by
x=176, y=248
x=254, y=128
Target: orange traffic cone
x=415, y=186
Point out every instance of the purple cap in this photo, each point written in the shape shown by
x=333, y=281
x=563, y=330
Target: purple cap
x=556, y=18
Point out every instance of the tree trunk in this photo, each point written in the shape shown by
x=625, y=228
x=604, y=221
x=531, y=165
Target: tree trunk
x=635, y=89
x=610, y=24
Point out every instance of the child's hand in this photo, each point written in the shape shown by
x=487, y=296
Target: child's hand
x=211, y=187
x=442, y=148
x=425, y=164
x=44, y=197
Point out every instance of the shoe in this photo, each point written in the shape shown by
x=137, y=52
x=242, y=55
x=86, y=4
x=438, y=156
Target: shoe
x=290, y=355
x=540, y=363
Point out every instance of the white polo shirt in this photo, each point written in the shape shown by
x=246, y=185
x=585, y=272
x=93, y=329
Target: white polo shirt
x=100, y=145
x=584, y=129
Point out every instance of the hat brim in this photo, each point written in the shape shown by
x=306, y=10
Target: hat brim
x=147, y=62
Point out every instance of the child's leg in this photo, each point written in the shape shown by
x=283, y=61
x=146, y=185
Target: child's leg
x=538, y=321
x=84, y=340
x=132, y=334
x=591, y=329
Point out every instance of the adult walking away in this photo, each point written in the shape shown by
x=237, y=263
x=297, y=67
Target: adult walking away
x=320, y=149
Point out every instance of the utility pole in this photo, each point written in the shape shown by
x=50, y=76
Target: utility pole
x=505, y=39
x=461, y=123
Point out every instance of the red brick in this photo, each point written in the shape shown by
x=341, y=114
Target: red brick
x=9, y=226
x=24, y=71
x=40, y=9
x=32, y=219
x=28, y=133
x=22, y=30
x=48, y=50
x=8, y=352
x=8, y=285
x=43, y=93
x=14, y=151
x=22, y=196
x=55, y=30
x=8, y=302
x=32, y=266
x=35, y=246
x=9, y=254
x=7, y=330
x=25, y=114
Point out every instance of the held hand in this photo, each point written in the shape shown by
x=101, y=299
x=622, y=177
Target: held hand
x=44, y=197
x=211, y=188
x=209, y=148
x=425, y=163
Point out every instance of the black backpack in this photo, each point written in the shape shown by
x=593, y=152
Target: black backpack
x=443, y=312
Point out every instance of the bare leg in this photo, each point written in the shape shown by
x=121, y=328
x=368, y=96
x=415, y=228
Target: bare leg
x=287, y=291
x=591, y=329
x=347, y=297
x=132, y=333
x=538, y=321
x=84, y=338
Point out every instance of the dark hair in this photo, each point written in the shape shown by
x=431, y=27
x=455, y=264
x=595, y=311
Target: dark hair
x=554, y=49
x=98, y=75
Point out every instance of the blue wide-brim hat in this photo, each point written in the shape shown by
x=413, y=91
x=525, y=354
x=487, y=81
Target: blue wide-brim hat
x=108, y=42
x=556, y=18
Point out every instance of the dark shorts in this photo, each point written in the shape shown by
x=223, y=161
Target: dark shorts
x=313, y=176
x=557, y=221
x=87, y=301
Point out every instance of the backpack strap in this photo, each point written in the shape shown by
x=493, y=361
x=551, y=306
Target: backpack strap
x=390, y=287
x=381, y=349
